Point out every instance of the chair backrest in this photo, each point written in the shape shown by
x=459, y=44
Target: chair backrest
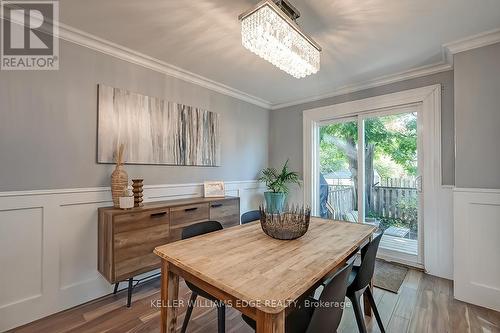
x=200, y=229
x=365, y=272
x=250, y=216
x=327, y=316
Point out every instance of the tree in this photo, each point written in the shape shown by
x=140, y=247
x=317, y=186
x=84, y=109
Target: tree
x=393, y=136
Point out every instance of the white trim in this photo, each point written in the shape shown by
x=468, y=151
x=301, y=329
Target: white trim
x=95, y=43
x=473, y=42
x=106, y=189
x=377, y=82
x=352, y=108
x=90, y=41
x=476, y=190
x=82, y=38
x=448, y=50
x=435, y=199
x=402, y=258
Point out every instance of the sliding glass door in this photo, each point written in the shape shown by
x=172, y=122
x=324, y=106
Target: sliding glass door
x=338, y=161
x=387, y=192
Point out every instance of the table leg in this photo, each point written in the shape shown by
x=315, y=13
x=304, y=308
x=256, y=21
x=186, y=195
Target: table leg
x=270, y=323
x=169, y=295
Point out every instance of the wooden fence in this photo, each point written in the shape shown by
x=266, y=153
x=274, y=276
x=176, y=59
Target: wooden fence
x=342, y=199
x=385, y=199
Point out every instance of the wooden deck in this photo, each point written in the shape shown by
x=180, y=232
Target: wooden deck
x=405, y=245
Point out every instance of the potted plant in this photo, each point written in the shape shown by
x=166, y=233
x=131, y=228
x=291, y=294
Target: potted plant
x=277, y=183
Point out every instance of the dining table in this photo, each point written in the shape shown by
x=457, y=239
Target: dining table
x=262, y=277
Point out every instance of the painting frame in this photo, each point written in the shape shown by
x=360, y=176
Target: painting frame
x=214, y=189
x=155, y=131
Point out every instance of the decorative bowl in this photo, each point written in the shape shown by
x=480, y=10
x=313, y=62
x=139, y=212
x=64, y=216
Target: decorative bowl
x=289, y=224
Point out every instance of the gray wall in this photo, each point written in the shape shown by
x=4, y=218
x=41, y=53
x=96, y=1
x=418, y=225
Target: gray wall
x=286, y=123
x=48, y=125
x=477, y=117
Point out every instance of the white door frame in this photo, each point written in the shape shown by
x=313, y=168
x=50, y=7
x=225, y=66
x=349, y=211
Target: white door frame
x=429, y=100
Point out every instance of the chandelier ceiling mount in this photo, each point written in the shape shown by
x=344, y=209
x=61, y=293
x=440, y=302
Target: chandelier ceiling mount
x=270, y=30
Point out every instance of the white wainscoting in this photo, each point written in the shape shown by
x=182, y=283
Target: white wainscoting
x=438, y=235
x=477, y=246
x=48, y=245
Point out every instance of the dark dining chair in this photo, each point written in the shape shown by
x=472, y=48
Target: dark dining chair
x=315, y=318
x=250, y=216
x=359, y=281
x=192, y=231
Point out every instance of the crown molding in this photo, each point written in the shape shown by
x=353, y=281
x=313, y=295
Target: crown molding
x=381, y=81
x=448, y=50
x=76, y=36
x=473, y=42
x=79, y=37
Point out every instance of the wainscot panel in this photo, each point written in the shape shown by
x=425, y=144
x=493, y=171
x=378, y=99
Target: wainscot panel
x=48, y=247
x=476, y=233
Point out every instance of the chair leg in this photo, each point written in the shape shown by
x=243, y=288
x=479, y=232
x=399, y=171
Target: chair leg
x=129, y=292
x=374, y=308
x=221, y=318
x=189, y=310
x=116, y=287
x=358, y=312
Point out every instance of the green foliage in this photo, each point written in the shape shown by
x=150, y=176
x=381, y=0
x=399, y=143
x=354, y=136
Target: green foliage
x=409, y=209
x=394, y=136
x=278, y=181
x=334, y=147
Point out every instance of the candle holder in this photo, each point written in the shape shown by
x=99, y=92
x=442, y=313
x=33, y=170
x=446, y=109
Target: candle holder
x=137, y=189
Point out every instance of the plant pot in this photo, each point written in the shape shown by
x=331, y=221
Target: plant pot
x=275, y=201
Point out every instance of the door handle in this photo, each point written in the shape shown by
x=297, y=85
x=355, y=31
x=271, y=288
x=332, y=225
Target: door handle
x=216, y=205
x=190, y=209
x=418, y=183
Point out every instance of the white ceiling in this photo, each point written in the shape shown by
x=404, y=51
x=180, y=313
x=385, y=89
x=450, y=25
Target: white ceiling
x=361, y=39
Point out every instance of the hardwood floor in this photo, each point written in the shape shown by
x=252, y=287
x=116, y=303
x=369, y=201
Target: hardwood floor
x=424, y=304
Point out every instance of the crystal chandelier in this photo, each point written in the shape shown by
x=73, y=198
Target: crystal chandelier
x=270, y=31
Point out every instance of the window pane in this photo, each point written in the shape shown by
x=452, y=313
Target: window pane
x=391, y=175
x=338, y=171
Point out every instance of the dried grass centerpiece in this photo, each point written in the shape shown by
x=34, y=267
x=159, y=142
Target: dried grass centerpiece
x=289, y=224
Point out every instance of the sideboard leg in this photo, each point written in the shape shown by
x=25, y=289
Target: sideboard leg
x=129, y=292
x=116, y=287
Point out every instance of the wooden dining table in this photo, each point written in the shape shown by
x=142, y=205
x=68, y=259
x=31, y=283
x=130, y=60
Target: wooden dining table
x=260, y=276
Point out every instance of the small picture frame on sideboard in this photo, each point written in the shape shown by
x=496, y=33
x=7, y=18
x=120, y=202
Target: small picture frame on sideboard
x=214, y=189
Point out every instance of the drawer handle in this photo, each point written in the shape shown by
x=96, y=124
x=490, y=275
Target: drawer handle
x=217, y=205
x=190, y=209
x=156, y=215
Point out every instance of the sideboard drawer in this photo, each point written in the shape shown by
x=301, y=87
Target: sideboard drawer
x=132, y=238
x=124, y=269
x=140, y=220
x=182, y=216
x=227, y=212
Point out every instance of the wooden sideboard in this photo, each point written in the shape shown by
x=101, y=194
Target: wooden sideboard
x=127, y=238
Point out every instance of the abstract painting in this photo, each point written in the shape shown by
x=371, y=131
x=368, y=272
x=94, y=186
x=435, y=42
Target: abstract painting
x=155, y=131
